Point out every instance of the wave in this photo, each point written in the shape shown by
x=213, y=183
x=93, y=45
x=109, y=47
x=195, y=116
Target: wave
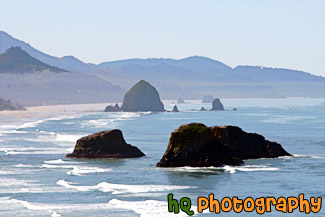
x=148, y=208
x=68, y=137
x=60, y=161
x=248, y=168
x=77, y=170
x=303, y=156
x=122, y=188
x=227, y=168
x=31, y=124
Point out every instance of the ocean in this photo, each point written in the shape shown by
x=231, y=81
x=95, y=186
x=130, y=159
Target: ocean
x=37, y=180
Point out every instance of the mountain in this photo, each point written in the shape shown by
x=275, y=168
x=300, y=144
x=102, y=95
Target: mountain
x=15, y=60
x=68, y=63
x=203, y=76
x=29, y=81
x=286, y=82
x=189, y=78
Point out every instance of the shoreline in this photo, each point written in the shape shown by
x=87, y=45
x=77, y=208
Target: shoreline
x=49, y=111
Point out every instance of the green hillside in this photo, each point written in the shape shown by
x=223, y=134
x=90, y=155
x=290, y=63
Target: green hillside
x=16, y=60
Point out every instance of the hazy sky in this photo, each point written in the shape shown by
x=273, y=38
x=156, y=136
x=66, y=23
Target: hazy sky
x=277, y=33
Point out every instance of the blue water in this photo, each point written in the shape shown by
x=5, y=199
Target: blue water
x=37, y=180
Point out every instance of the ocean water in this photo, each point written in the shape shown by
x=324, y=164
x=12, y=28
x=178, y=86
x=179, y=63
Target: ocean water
x=37, y=180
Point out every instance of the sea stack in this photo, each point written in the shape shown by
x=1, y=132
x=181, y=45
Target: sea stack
x=175, y=109
x=197, y=145
x=217, y=105
x=207, y=99
x=104, y=144
x=115, y=108
x=142, y=97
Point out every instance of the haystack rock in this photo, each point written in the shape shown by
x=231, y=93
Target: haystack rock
x=105, y=144
x=217, y=105
x=207, y=99
x=142, y=97
x=180, y=101
x=197, y=145
x=175, y=109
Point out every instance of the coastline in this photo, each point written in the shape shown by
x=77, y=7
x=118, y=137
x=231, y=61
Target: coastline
x=50, y=111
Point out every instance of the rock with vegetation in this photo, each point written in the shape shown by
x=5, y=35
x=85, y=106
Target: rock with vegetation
x=16, y=60
x=180, y=100
x=142, y=97
x=217, y=105
x=207, y=99
x=175, y=109
x=105, y=144
x=7, y=105
x=111, y=108
x=197, y=145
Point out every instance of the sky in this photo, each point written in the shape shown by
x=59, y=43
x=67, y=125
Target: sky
x=271, y=33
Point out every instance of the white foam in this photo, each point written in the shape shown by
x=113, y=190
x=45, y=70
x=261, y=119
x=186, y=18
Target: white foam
x=16, y=205
x=147, y=208
x=22, y=165
x=60, y=161
x=31, y=124
x=303, y=156
x=77, y=170
x=67, y=137
x=249, y=168
x=121, y=188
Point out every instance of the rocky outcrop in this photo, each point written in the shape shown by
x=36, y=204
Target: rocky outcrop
x=202, y=109
x=234, y=109
x=115, y=108
x=197, y=145
x=180, y=101
x=217, y=105
x=142, y=97
x=7, y=105
x=105, y=144
x=207, y=99
x=175, y=109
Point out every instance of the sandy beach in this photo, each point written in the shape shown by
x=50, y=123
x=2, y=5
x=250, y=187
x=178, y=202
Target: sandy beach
x=50, y=111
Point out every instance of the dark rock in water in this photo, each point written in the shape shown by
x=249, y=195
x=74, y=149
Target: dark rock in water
x=180, y=100
x=115, y=108
x=217, y=105
x=105, y=144
x=142, y=97
x=7, y=105
x=202, y=109
x=197, y=145
x=175, y=109
x=207, y=99
x=235, y=109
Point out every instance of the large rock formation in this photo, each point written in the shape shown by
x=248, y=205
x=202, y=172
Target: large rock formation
x=197, y=145
x=207, y=99
x=142, y=97
x=105, y=144
x=217, y=105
